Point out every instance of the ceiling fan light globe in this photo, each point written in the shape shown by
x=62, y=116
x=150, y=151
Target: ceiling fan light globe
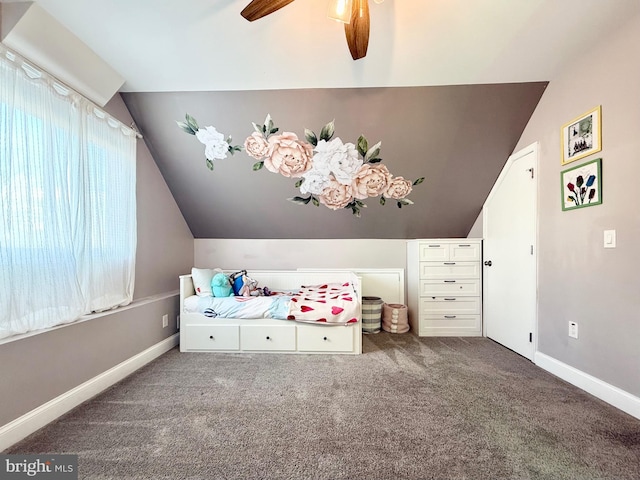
x=340, y=10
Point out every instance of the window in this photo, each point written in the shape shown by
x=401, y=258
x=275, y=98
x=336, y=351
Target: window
x=67, y=203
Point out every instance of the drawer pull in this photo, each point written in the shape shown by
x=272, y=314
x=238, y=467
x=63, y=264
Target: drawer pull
x=325, y=338
x=211, y=337
x=449, y=299
x=450, y=316
x=449, y=263
x=268, y=337
x=434, y=246
x=449, y=281
x=464, y=245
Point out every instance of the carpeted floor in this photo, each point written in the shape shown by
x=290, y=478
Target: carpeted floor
x=408, y=408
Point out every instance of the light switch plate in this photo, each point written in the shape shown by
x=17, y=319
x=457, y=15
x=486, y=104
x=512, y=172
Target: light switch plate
x=609, y=239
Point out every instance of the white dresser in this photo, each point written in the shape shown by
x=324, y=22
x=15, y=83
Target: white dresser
x=444, y=286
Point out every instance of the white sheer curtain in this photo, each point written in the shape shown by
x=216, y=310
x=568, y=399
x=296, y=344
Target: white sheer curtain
x=67, y=203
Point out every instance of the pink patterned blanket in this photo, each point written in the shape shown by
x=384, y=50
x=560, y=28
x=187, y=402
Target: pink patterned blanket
x=332, y=303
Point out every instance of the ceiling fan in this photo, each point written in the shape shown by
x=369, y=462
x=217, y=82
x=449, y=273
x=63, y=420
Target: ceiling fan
x=356, y=31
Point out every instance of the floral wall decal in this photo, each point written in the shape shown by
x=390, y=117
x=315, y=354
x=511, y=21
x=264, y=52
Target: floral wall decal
x=216, y=147
x=330, y=172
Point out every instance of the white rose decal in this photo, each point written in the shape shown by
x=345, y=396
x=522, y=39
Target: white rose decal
x=216, y=147
x=340, y=159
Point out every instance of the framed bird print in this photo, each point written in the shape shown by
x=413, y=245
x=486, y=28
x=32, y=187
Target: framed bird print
x=582, y=136
x=581, y=186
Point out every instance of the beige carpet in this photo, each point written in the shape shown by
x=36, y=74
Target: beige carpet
x=408, y=408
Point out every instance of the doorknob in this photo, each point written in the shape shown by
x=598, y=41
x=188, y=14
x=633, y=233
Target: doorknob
x=488, y=263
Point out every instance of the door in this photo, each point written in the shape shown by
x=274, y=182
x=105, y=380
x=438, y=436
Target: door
x=509, y=255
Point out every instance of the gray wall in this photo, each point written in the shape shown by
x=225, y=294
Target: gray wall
x=38, y=368
x=457, y=137
x=578, y=279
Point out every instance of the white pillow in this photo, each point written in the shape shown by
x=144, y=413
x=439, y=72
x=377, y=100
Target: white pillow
x=202, y=280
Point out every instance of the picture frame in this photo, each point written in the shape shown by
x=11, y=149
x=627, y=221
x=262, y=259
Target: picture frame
x=581, y=186
x=582, y=136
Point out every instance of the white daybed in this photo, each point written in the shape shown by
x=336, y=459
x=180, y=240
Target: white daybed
x=199, y=333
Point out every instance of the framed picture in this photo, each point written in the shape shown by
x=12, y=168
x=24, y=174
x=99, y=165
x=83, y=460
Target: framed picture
x=582, y=136
x=581, y=186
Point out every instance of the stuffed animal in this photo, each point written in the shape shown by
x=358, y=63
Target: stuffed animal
x=221, y=286
x=245, y=286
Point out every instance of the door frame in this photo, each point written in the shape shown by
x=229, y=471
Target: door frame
x=533, y=148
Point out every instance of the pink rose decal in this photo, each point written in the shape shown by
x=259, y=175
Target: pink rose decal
x=288, y=156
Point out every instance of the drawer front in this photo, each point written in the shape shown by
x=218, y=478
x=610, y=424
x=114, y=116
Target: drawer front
x=464, y=252
x=268, y=338
x=210, y=337
x=449, y=305
x=325, y=339
x=434, y=252
x=432, y=324
x=438, y=288
x=449, y=270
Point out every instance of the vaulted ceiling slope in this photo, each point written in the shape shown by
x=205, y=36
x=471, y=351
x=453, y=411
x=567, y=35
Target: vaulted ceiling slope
x=457, y=137
x=447, y=86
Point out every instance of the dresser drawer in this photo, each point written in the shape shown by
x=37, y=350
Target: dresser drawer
x=450, y=325
x=437, y=288
x=434, y=252
x=268, y=338
x=440, y=251
x=210, y=337
x=469, y=252
x=325, y=339
x=449, y=305
x=449, y=270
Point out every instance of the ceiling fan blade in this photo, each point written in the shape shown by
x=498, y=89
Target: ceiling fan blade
x=261, y=8
x=357, y=32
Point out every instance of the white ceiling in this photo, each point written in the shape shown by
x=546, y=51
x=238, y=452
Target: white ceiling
x=193, y=45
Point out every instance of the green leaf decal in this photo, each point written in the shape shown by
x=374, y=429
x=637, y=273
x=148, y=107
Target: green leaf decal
x=327, y=131
x=310, y=137
x=299, y=182
x=383, y=200
x=192, y=122
x=373, y=152
x=375, y=160
x=418, y=181
x=258, y=165
x=209, y=164
x=300, y=200
x=363, y=145
x=186, y=128
x=257, y=128
x=315, y=201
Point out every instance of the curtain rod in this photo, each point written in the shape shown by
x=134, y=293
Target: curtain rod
x=60, y=86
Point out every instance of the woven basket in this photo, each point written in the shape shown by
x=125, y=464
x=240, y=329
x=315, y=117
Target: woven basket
x=395, y=318
x=371, y=314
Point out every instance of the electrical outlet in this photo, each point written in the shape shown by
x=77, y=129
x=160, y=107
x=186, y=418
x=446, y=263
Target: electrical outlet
x=573, y=329
x=165, y=321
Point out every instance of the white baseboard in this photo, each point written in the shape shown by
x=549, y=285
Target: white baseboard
x=613, y=395
x=37, y=418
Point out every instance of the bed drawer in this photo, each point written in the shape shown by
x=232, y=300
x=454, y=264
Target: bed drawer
x=325, y=339
x=210, y=337
x=268, y=337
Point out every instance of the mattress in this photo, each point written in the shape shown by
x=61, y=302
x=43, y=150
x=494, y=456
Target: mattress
x=331, y=304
